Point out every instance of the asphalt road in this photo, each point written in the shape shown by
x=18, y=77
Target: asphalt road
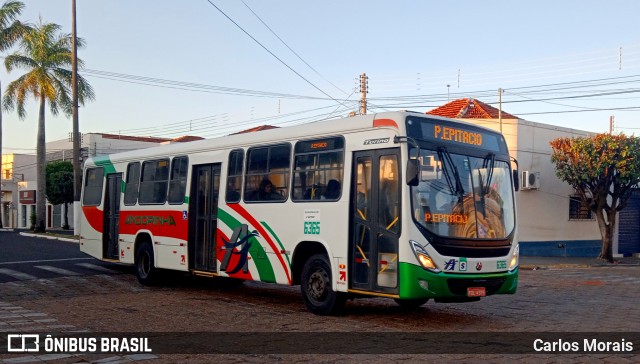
x=590, y=300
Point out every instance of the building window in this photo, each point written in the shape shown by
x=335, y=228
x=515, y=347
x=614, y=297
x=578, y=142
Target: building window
x=579, y=210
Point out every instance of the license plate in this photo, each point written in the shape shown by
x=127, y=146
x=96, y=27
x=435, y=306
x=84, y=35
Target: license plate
x=476, y=292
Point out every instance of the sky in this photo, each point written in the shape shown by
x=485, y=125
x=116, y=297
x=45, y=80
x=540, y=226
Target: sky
x=171, y=68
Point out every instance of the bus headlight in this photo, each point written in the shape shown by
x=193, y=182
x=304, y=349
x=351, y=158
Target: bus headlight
x=425, y=260
x=514, y=260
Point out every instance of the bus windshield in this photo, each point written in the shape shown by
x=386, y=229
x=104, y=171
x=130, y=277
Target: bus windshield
x=461, y=196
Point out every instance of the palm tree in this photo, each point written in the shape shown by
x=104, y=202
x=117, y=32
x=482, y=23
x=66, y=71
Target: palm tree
x=47, y=56
x=10, y=31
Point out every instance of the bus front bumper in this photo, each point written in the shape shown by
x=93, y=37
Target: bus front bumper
x=417, y=282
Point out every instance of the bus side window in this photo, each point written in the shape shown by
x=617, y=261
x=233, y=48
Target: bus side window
x=318, y=166
x=268, y=163
x=178, y=183
x=93, y=187
x=153, y=184
x=132, y=184
x=234, y=176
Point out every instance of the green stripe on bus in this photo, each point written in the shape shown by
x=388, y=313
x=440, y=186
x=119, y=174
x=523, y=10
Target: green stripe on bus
x=277, y=239
x=104, y=162
x=258, y=255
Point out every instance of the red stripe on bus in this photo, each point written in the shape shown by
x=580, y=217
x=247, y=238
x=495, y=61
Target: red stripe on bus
x=377, y=123
x=245, y=214
x=165, y=223
x=94, y=217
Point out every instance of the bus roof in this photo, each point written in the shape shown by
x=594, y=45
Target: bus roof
x=304, y=131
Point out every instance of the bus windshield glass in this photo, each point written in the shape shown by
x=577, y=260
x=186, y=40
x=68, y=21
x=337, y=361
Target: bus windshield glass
x=462, y=196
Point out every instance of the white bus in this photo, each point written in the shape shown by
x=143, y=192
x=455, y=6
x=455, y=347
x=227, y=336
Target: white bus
x=399, y=205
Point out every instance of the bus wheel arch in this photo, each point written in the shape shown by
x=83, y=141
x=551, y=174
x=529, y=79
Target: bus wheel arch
x=303, y=251
x=316, y=287
x=146, y=270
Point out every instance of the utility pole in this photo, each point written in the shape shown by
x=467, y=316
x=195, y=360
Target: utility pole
x=500, y=107
x=363, y=94
x=448, y=94
x=611, y=121
x=77, y=173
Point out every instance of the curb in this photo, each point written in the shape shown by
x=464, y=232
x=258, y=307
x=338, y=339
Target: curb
x=552, y=266
x=575, y=265
x=7, y=230
x=69, y=240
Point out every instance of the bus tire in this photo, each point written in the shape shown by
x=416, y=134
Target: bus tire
x=411, y=304
x=316, y=289
x=146, y=271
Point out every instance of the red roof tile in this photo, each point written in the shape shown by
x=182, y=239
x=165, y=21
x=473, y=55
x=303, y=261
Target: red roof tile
x=469, y=109
x=257, y=128
x=134, y=138
x=186, y=138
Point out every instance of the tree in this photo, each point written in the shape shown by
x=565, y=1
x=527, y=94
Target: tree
x=603, y=170
x=10, y=31
x=47, y=57
x=59, y=188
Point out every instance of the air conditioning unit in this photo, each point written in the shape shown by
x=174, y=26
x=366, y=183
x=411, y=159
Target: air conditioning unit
x=530, y=180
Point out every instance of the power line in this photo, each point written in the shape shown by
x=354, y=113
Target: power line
x=292, y=51
x=271, y=53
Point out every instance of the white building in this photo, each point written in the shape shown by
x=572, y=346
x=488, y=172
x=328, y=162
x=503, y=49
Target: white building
x=19, y=188
x=15, y=169
x=550, y=221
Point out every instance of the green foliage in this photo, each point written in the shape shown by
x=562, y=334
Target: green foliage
x=602, y=165
x=59, y=188
x=604, y=170
x=47, y=56
x=11, y=29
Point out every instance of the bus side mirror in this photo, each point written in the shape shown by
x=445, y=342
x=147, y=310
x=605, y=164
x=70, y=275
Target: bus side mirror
x=516, y=180
x=413, y=172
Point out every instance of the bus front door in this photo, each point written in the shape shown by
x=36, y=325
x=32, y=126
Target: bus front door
x=375, y=221
x=203, y=213
x=111, y=216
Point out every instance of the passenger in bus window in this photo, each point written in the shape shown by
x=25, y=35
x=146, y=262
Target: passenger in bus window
x=232, y=194
x=333, y=190
x=267, y=192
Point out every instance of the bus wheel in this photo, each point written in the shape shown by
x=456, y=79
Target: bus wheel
x=145, y=270
x=411, y=304
x=316, y=289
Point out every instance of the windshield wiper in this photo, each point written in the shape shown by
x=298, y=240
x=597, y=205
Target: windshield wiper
x=487, y=164
x=452, y=176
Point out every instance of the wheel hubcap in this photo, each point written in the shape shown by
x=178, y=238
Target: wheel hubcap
x=318, y=283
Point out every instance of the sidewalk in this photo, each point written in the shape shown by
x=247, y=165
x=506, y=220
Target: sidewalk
x=533, y=263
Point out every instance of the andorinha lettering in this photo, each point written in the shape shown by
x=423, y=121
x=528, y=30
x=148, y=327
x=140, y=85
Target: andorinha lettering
x=457, y=135
x=150, y=220
x=448, y=218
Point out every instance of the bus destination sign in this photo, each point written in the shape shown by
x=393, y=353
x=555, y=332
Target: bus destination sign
x=457, y=135
x=443, y=131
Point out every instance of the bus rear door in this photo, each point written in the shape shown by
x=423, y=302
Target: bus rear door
x=203, y=214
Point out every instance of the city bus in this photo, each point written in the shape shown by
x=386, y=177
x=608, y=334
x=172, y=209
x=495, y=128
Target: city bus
x=401, y=205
